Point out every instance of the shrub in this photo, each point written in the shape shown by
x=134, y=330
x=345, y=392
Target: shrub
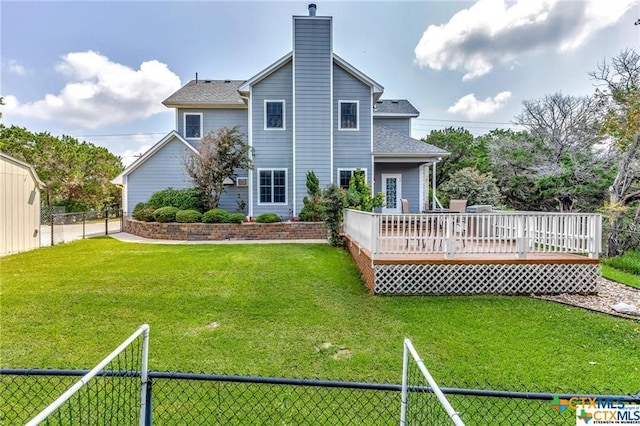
x=311, y=211
x=216, y=216
x=188, y=216
x=143, y=213
x=165, y=214
x=183, y=199
x=358, y=195
x=333, y=202
x=237, y=218
x=268, y=218
x=471, y=185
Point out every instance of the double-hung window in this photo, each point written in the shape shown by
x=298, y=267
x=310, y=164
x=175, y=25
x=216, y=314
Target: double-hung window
x=193, y=125
x=274, y=115
x=273, y=186
x=348, y=111
x=344, y=176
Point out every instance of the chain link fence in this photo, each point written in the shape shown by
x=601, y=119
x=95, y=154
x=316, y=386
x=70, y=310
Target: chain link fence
x=194, y=399
x=57, y=227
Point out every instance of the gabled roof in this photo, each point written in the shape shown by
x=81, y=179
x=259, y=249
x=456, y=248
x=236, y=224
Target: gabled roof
x=394, y=108
x=244, y=88
x=377, y=88
x=172, y=135
x=393, y=144
x=25, y=165
x=208, y=94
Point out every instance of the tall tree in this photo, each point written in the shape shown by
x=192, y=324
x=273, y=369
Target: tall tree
x=619, y=95
x=566, y=128
x=76, y=174
x=465, y=151
x=219, y=156
x=515, y=158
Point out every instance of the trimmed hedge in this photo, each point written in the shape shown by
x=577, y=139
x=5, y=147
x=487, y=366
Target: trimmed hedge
x=183, y=199
x=143, y=213
x=268, y=218
x=188, y=216
x=237, y=218
x=166, y=214
x=216, y=216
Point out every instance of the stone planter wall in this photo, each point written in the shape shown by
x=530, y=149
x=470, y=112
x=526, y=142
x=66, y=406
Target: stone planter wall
x=226, y=231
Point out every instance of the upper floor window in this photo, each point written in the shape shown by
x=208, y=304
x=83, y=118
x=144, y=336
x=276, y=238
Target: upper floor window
x=274, y=115
x=348, y=115
x=272, y=186
x=193, y=125
x=344, y=176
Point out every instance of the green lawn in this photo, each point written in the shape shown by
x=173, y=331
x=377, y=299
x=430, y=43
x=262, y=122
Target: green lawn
x=624, y=268
x=276, y=305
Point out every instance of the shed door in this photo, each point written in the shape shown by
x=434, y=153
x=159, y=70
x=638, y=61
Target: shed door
x=392, y=188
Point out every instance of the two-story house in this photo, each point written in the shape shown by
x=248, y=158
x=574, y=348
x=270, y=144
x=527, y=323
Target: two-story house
x=309, y=110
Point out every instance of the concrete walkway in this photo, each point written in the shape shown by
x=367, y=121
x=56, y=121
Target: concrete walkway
x=130, y=238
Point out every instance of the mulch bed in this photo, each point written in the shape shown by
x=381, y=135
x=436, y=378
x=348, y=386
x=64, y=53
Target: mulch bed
x=607, y=293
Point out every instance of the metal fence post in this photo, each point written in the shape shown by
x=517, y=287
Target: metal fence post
x=106, y=221
x=405, y=382
x=147, y=408
x=52, y=228
x=84, y=219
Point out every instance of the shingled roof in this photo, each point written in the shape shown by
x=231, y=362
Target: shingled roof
x=204, y=93
x=391, y=143
x=394, y=107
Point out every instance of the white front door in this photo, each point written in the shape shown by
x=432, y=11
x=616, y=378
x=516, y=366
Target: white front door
x=392, y=188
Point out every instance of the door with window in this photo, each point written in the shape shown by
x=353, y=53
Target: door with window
x=392, y=188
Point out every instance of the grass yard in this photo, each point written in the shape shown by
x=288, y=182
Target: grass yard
x=624, y=268
x=276, y=308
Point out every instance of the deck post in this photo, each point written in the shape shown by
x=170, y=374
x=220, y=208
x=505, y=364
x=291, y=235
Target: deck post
x=595, y=234
x=521, y=241
x=450, y=238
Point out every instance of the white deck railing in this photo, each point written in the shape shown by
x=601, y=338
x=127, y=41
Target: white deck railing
x=475, y=233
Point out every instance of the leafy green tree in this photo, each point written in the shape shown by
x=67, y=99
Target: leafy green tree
x=515, y=158
x=219, y=155
x=332, y=207
x=358, y=195
x=311, y=211
x=473, y=186
x=76, y=174
x=566, y=130
x=465, y=151
x=619, y=97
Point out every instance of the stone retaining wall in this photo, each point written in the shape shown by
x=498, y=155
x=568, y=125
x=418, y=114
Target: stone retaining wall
x=226, y=231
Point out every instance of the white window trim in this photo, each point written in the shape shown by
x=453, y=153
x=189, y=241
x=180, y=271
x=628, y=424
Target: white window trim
x=351, y=169
x=345, y=101
x=184, y=123
x=286, y=186
x=284, y=114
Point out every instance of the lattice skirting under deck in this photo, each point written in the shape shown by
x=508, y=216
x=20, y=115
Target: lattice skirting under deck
x=485, y=279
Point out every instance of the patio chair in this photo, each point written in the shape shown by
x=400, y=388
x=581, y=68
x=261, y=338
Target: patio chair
x=411, y=224
x=459, y=206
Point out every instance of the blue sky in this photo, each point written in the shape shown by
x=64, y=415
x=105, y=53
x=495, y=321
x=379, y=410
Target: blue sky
x=100, y=70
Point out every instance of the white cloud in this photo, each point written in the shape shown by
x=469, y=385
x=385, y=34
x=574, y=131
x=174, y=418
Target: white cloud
x=493, y=32
x=472, y=108
x=16, y=68
x=130, y=155
x=101, y=92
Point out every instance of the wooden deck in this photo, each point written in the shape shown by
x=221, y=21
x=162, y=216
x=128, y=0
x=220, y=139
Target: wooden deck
x=481, y=258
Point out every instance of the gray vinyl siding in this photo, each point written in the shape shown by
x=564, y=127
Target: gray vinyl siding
x=410, y=181
x=162, y=170
x=229, y=200
x=313, y=59
x=402, y=125
x=351, y=149
x=273, y=148
x=214, y=119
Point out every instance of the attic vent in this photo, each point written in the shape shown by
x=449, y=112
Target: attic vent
x=227, y=81
x=379, y=102
x=394, y=102
x=242, y=181
x=207, y=81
